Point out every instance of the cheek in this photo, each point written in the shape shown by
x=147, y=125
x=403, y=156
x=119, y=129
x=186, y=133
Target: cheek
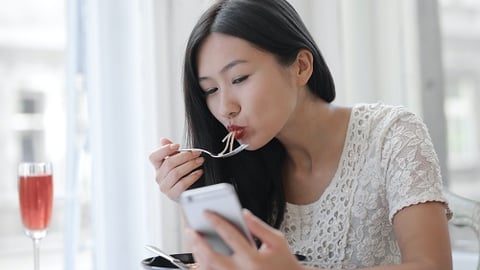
x=212, y=105
x=270, y=112
x=276, y=110
x=276, y=100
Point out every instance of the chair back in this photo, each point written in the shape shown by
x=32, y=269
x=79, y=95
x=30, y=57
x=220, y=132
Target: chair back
x=466, y=213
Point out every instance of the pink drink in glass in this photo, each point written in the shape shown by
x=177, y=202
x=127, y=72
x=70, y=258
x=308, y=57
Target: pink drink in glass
x=36, y=197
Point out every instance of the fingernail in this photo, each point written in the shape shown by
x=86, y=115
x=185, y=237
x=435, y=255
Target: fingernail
x=210, y=216
x=247, y=212
x=199, y=160
x=196, y=172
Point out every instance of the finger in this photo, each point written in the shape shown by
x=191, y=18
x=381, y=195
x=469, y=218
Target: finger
x=268, y=235
x=183, y=184
x=158, y=156
x=230, y=234
x=204, y=254
x=178, y=166
x=164, y=141
x=178, y=173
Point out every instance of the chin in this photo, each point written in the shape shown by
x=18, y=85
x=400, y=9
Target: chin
x=253, y=146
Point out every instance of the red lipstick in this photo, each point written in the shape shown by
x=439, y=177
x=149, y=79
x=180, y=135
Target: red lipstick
x=239, y=131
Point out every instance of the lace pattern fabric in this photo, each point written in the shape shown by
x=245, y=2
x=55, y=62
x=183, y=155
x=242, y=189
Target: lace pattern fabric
x=388, y=163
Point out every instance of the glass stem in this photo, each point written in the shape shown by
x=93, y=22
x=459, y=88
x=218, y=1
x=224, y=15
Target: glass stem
x=36, y=253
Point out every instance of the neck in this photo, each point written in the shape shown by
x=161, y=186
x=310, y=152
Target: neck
x=312, y=133
x=314, y=139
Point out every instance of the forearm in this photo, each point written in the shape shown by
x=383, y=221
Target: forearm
x=403, y=266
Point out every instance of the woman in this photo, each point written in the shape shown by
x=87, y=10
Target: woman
x=346, y=187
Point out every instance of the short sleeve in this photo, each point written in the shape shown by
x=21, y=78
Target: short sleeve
x=410, y=164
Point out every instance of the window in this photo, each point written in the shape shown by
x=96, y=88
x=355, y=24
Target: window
x=461, y=58
x=32, y=126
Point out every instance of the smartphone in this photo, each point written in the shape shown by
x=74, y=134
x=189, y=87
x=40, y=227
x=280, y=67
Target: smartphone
x=220, y=199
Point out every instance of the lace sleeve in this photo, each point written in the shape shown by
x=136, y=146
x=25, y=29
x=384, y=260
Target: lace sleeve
x=410, y=165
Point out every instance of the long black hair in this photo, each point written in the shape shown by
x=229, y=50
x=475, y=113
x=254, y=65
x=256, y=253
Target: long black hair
x=273, y=26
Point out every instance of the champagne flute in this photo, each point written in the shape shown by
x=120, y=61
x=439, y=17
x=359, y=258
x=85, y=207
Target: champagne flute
x=35, y=190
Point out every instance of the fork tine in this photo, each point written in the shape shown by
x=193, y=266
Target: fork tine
x=235, y=151
x=229, y=154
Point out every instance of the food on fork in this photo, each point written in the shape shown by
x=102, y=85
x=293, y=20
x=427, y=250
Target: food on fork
x=230, y=138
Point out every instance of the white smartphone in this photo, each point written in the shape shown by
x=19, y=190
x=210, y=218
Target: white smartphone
x=220, y=199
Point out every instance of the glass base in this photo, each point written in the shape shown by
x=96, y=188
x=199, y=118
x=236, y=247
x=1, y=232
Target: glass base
x=36, y=234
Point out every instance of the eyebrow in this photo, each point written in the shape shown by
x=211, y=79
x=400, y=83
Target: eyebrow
x=226, y=68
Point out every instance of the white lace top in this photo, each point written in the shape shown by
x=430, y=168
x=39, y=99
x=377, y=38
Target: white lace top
x=388, y=163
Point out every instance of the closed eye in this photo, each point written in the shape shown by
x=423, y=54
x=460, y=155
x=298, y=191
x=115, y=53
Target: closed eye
x=210, y=91
x=240, y=79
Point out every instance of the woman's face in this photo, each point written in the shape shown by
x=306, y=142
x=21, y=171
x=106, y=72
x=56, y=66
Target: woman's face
x=246, y=89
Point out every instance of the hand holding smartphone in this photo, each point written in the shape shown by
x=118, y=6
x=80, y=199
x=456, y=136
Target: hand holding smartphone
x=220, y=199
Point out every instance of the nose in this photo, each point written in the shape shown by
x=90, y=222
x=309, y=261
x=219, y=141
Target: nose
x=229, y=105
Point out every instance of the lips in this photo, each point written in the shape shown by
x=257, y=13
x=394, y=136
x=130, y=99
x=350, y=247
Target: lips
x=239, y=131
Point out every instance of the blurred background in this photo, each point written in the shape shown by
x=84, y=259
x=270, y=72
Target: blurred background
x=92, y=86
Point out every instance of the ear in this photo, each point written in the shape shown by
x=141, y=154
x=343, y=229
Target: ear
x=304, y=66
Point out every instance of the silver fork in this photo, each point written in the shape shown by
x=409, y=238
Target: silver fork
x=229, y=154
x=178, y=263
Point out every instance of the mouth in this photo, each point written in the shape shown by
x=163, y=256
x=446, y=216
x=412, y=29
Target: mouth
x=239, y=131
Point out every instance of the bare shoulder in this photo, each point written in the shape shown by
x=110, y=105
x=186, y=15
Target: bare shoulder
x=342, y=113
